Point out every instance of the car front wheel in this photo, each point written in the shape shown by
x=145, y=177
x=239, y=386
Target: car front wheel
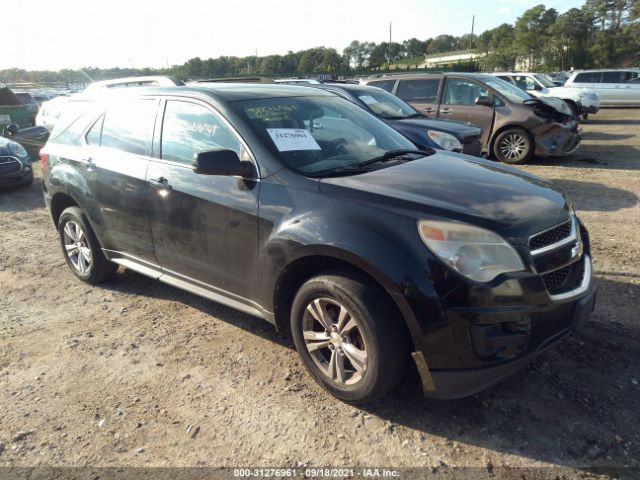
x=349, y=336
x=513, y=146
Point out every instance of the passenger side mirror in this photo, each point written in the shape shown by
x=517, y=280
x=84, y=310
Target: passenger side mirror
x=221, y=161
x=484, y=100
x=11, y=130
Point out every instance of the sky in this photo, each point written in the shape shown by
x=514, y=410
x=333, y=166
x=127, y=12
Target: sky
x=51, y=35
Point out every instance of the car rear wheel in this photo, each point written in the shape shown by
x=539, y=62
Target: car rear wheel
x=513, y=146
x=349, y=336
x=81, y=249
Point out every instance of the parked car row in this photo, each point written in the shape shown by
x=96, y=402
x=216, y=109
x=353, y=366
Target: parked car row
x=310, y=207
x=582, y=102
x=515, y=125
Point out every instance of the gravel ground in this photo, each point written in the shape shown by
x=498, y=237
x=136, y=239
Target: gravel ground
x=137, y=373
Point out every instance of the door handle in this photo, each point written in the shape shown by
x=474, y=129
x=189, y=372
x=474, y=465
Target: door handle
x=445, y=110
x=160, y=183
x=428, y=109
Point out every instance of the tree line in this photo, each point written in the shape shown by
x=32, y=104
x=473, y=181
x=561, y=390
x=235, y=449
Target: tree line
x=602, y=33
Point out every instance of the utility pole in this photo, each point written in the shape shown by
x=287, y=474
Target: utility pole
x=389, y=45
x=473, y=21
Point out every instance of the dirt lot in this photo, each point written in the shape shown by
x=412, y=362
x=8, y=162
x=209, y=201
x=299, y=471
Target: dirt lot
x=137, y=373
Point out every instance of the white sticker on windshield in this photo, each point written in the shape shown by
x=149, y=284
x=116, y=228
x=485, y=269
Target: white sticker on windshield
x=368, y=99
x=289, y=139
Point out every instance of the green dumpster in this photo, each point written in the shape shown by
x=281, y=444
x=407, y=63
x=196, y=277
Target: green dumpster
x=12, y=110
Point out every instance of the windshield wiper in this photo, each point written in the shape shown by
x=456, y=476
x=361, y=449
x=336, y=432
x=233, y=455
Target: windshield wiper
x=404, y=117
x=338, y=171
x=390, y=155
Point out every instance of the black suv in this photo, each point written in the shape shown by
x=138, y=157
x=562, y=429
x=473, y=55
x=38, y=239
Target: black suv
x=369, y=252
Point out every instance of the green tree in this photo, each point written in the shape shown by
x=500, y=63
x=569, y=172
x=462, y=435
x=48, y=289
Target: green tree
x=442, y=43
x=497, y=48
x=568, y=41
x=531, y=34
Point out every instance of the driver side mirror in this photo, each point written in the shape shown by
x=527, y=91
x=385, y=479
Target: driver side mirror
x=221, y=161
x=11, y=130
x=484, y=100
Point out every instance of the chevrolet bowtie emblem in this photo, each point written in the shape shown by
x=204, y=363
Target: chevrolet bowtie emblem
x=577, y=250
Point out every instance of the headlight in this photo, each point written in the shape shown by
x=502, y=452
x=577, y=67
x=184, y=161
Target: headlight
x=17, y=149
x=474, y=252
x=445, y=140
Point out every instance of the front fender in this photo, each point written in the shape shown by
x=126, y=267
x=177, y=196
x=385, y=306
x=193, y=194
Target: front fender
x=394, y=262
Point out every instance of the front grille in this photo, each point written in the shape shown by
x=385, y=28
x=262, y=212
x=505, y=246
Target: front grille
x=9, y=165
x=564, y=279
x=551, y=236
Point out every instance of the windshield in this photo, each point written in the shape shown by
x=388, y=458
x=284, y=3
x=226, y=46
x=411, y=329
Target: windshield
x=385, y=104
x=313, y=135
x=544, y=80
x=509, y=90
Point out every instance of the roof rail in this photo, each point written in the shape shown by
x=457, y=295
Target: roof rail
x=148, y=81
x=235, y=80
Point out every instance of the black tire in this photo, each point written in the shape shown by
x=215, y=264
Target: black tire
x=98, y=269
x=513, y=146
x=27, y=181
x=380, y=332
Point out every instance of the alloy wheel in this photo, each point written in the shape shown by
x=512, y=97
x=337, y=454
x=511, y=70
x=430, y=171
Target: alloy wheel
x=334, y=340
x=513, y=146
x=77, y=247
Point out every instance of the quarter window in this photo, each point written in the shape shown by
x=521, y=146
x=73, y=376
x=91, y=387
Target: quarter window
x=128, y=126
x=189, y=128
x=463, y=92
x=424, y=91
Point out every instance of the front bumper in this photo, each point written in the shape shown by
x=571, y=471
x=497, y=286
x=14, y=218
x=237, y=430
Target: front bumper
x=549, y=324
x=472, y=148
x=560, y=140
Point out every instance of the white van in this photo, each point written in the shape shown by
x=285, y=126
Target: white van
x=615, y=87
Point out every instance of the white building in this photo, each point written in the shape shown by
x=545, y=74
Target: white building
x=443, y=59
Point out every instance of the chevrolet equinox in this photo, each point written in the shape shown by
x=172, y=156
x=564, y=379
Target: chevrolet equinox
x=295, y=205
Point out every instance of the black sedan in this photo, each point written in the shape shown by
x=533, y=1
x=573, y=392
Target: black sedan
x=422, y=131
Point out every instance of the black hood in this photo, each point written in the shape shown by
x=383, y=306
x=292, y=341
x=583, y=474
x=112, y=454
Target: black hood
x=458, y=129
x=458, y=187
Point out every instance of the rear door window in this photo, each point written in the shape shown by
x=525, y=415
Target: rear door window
x=383, y=84
x=463, y=92
x=588, y=77
x=128, y=126
x=423, y=90
x=611, y=77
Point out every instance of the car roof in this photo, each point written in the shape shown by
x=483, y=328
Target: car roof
x=226, y=92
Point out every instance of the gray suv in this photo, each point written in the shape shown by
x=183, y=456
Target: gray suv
x=515, y=125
